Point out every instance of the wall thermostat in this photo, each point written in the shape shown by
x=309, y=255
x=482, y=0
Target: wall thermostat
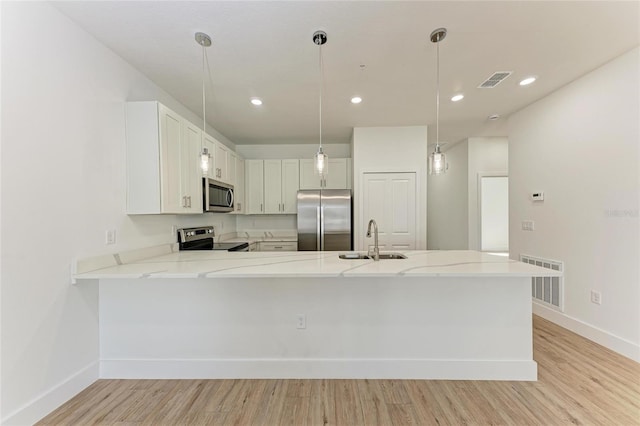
x=537, y=196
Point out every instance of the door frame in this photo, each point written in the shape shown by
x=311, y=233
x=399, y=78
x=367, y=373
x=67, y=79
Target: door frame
x=479, y=197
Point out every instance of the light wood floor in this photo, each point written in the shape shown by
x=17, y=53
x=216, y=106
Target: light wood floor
x=579, y=382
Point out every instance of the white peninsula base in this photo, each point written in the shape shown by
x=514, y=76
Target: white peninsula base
x=404, y=327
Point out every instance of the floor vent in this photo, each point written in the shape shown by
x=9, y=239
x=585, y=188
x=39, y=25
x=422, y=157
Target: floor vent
x=548, y=291
x=494, y=80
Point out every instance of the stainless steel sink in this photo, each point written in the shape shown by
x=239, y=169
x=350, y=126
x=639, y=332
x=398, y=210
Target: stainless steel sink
x=354, y=256
x=362, y=256
x=392, y=256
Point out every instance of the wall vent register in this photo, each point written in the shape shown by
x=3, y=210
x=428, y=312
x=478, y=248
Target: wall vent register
x=547, y=291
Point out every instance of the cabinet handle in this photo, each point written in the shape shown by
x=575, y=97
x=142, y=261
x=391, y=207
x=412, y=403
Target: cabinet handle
x=277, y=247
x=184, y=201
x=189, y=201
x=260, y=206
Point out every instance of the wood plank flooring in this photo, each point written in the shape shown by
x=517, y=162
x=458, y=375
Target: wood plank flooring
x=579, y=382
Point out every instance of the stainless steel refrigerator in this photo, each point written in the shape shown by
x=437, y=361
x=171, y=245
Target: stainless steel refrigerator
x=325, y=220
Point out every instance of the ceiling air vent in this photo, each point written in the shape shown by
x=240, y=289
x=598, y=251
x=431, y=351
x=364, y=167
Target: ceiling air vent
x=495, y=79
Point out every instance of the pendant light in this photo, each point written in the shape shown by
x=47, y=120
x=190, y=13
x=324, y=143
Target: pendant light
x=320, y=159
x=437, y=160
x=205, y=157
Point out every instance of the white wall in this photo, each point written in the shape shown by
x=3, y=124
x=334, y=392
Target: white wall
x=447, y=209
x=342, y=150
x=580, y=146
x=453, y=215
x=486, y=156
x=63, y=185
x=391, y=149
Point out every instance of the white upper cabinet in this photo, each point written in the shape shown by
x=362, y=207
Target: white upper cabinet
x=290, y=186
x=191, y=171
x=272, y=186
x=232, y=166
x=280, y=184
x=220, y=160
x=338, y=176
x=163, y=151
x=221, y=166
x=239, y=192
x=254, y=186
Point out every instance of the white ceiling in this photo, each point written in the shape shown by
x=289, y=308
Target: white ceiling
x=265, y=49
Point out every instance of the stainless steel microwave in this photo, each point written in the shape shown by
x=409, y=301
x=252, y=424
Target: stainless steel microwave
x=217, y=196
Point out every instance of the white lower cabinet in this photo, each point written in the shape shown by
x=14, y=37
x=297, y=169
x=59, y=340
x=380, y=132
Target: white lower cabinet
x=253, y=246
x=278, y=246
x=338, y=176
x=163, y=153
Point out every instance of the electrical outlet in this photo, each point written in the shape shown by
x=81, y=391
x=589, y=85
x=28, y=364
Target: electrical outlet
x=301, y=321
x=528, y=225
x=596, y=297
x=110, y=236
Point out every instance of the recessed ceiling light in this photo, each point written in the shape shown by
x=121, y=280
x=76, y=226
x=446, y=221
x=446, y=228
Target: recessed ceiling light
x=457, y=97
x=493, y=117
x=256, y=101
x=356, y=100
x=527, y=81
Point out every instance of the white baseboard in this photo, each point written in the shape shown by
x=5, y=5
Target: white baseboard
x=318, y=369
x=611, y=341
x=51, y=399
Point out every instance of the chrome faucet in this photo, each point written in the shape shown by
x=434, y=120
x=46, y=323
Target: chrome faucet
x=376, y=249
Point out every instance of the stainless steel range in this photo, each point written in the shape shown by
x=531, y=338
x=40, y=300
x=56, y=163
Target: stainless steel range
x=202, y=238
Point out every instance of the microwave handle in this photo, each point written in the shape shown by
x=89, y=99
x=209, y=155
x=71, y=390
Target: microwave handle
x=230, y=195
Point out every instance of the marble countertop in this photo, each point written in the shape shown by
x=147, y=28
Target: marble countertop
x=169, y=263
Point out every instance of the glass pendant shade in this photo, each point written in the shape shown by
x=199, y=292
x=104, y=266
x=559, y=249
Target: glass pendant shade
x=204, y=161
x=321, y=163
x=437, y=162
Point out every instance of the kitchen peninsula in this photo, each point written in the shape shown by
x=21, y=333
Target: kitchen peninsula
x=208, y=314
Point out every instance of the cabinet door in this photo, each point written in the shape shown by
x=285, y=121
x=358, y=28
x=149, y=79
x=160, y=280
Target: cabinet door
x=390, y=199
x=220, y=157
x=272, y=186
x=239, y=187
x=254, y=186
x=190, y=170
x=337, y=174
x=172, y=200
x=278, y=246
x=231, y=167
x=308, y=178
x=210, y=144
x=290, y=186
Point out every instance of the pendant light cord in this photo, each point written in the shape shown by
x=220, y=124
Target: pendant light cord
x=321, y=81
x=438, y=95
x=204, y=103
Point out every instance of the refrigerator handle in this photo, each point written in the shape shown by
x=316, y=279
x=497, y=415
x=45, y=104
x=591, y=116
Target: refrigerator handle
x=322, y=227
x=318, y=231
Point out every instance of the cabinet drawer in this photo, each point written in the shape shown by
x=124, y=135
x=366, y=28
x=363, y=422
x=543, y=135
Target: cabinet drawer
x=281, y=246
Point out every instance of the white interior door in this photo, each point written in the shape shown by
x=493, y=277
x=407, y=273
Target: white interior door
x=390, y=199
x=494, y=213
